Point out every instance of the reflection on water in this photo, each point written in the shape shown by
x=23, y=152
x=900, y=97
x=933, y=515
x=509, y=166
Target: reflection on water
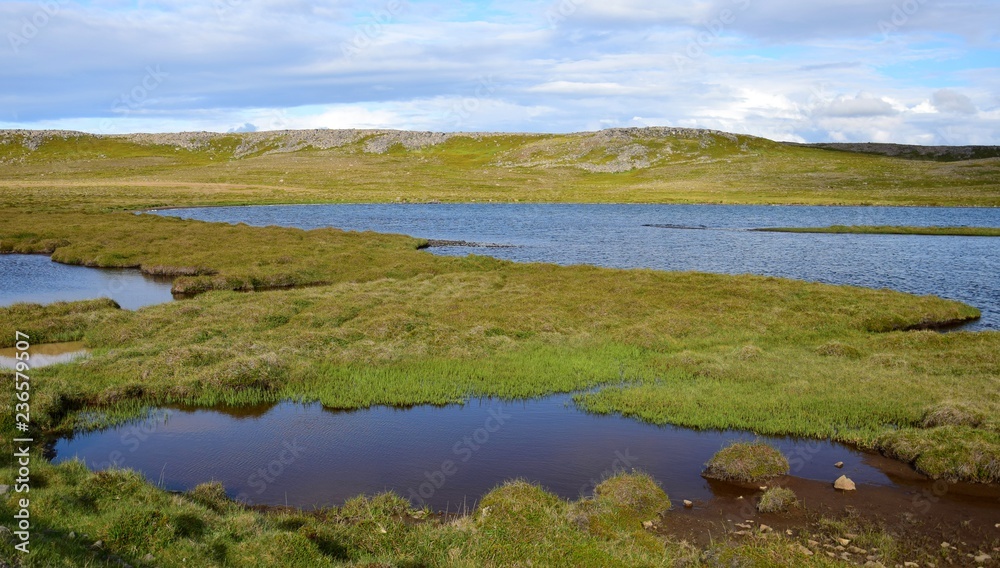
x=445, y=457
x=36, y=279
x=44, y=355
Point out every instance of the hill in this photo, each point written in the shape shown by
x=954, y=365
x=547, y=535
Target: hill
x=657, y=165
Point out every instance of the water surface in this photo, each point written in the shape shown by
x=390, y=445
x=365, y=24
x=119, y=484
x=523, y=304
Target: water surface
x=959, y=268
x=44, y=354
x=37, y=279
x=446, y=457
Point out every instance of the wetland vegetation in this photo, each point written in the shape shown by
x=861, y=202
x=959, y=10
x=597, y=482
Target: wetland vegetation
x=360, y=319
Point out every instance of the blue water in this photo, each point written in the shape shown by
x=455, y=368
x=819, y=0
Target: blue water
x=36, y=279
x=959, y=268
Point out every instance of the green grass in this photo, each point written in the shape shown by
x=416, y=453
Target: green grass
x=746, y=463
x=891, y=230
x=777, y=500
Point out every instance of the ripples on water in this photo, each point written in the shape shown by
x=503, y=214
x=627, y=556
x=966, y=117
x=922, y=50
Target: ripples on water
x=959, y=268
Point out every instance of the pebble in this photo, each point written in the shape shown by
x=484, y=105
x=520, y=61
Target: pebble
x=688, y=504
x=983, y=559
x=945, y=545
x=842, y=541
x=4, y=489
x=647, y=525
x=838, y=465
x=98, y=545
x=765, y=528
x=801, y=549
x=71, y=535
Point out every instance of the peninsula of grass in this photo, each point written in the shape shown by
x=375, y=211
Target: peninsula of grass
x=746, y=463
x=891, y=230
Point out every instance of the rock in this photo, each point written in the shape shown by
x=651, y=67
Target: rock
x=789, y=532
x=743, y=526
x=149, y=559
x=742, y=533
x=983, y=559
x=801, y=549
x=842, y=541
x=945, y=545
x=765, y=528
x=4, y=489
x=763, y=487
x=844, y=483
x=856, y=550
x=71, y=535
x=6, y=534
x=688, y=504
x=647, y=525
x=839, y=465
x=911, y=565
x=98, y=545
x=813, y=543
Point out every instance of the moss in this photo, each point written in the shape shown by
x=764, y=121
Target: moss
x=747, y=463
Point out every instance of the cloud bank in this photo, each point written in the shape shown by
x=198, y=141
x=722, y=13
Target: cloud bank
x=906, y=71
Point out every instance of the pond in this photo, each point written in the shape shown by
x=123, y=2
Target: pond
x=718, y=239
x=35, y=278
x=445, y=457
x=44, y=354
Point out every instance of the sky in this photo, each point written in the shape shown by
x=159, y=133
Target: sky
x=902, y=71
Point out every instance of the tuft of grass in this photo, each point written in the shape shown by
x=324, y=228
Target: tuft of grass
x=956, y=453
x=746, y=463
x=777, y=500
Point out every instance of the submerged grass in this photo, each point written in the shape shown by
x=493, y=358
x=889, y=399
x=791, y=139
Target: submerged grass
x=892, y=230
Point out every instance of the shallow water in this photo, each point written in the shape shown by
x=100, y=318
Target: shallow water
x=36, y=279
x=44, y=354
x=446, y=457
x=959, y=268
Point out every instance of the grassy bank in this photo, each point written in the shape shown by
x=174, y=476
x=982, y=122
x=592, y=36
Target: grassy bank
x=891, y=230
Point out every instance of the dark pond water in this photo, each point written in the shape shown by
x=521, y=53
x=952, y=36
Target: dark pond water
x=445, y=457
x=960, y=268
x=35, y=278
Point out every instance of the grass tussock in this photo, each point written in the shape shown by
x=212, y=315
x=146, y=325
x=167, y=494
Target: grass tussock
x=777, y=500
x=747, y=463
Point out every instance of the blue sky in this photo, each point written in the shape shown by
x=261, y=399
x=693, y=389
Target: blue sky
x=906, y=71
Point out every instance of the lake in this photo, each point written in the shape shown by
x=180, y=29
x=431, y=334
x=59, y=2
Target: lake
x=719, y=240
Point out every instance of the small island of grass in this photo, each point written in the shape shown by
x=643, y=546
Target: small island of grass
x=891, y=230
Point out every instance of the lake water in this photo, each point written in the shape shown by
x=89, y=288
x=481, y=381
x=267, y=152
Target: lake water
x=720, y=240
x=445, y=457
x=35, y=278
